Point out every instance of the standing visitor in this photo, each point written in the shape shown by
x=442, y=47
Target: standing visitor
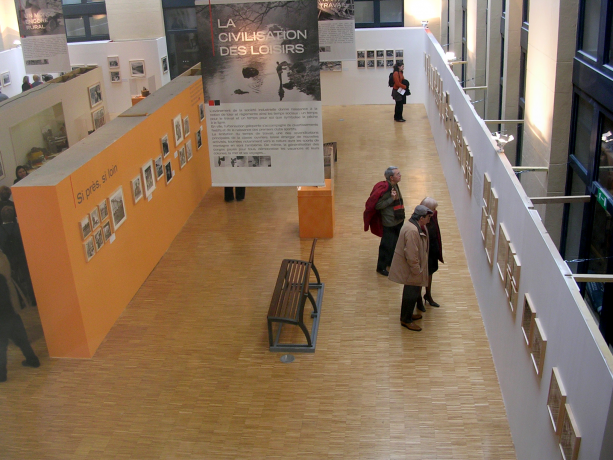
x=399, y=98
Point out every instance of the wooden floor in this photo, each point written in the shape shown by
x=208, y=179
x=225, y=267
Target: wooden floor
x=185, y=373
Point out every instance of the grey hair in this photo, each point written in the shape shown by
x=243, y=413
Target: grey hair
x=429, y=202
x=389, y=172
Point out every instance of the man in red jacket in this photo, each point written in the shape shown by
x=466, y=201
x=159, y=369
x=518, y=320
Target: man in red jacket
x=384, y=214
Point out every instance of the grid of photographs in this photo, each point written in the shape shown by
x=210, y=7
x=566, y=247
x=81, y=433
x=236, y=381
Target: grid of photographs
x=96, y=230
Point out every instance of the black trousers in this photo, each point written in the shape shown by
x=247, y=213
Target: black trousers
x=410, y=295
x=388, y=245
x=398, y=110
x=228, y=193
x=14, y=330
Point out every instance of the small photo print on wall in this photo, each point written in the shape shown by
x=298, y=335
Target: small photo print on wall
x=370, y=63
x=389, y=54
x=260, y=161
x=90, y=250
x=113, y=62
x=380, y=63
x=362, y=54
x=201, y=111
x=399, y=62
x=168, y=171
x=165, y=147
x=399, y=54
x=118, y=210
x=6, y=78
x=137, y=68
x=227, y=161
x=370, y=54
x=330, y=66
x=137, y=188
x=380, y=54
x=98, y=118
x=188, y=149
x=104, y=210
x=159, y=168
x=95, y=95
x=389, y=63
x=106, y=230
x=86, y=227
x=99, y=239
x=361, y=64
x=186, y=126
x=199, y=138
x=165, y=64
x=182, y=157
x=115, y=76
x=95, y=217
x=148, y=179
x=178, y=129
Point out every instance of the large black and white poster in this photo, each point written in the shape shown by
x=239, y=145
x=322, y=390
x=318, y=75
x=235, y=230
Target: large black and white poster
x=336, y=30
x=43, y=35
x=260, y=73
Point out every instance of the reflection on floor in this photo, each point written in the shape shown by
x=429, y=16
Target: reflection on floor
x=186, y=372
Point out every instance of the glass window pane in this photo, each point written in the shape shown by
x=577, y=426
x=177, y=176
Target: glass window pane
x=391, y=10
x=583, y=131
x=591, y=26
x=75, y=27
x=600, y=250
x=364, y=12
x=605, y=169
x=609, y=58
x=575, y=223
x=180, y=18
x=99, y=24
x=70, y=2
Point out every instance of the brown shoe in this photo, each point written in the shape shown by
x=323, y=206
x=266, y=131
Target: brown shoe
x=416, y=316
x=411, y=326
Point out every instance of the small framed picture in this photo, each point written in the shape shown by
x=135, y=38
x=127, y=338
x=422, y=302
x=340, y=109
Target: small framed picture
x=137, y=188
x=90, y=249
x=370, y=54
x=115, y=76
x=104, y=210
x=186, y=126
x=98, y=118
x=380, y=63
x=199, y=138
x=399, y=54
x=165, y=146
x=380, y=54
x=86, y=227
x=159, y=168
x=188, y=149
x=399, y=62
x=94, y=215
x=361, y=64
x=201, y=111
x=527, y=320
x=389, y=63
x=165, y=64
x=361, y=54
x=182, y=157
x=538, y=347
x=370, y=63
x=113, y=62
x=99, y=239
x=137, y=68
x=570, y=438
x=118, y=209
x=148, y=180
x=556, y=401
x=95, y=95
x=389, y=54
x=6, y=78
x=106, y=230
x=178, y=129
x=168, y=171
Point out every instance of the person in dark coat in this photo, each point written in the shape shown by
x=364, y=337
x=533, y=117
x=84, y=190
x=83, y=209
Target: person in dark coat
x=228, y=193
x=435, y=254
x=5, y=199
x=11, y=244
x=26, y=84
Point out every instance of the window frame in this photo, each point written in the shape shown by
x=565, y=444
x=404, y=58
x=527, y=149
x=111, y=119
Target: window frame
x=86, y=11
x=377, y=17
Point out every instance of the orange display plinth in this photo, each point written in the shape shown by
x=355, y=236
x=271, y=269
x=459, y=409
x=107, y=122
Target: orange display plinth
x=137, y=99
x=316, y=211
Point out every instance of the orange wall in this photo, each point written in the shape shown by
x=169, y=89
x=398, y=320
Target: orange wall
x=79, y=301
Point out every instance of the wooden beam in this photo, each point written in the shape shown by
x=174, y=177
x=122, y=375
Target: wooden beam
x=560, y=199
x=491, y=122
x=591, y=277
x=530, y=168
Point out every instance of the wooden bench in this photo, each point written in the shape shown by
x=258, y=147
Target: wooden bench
x=288, y=300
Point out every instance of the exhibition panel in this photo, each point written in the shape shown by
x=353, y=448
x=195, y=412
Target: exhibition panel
x=111, y=206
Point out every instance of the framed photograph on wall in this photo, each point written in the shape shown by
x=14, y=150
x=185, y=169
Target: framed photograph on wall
x=182, y=157
x=570, y=439
x=199, y=138
x=503, y=250
x=94, y=215
x=99, y=239
x=165, y=64
x=115, y=76
x=389, y=54
x=104, y=210
x=106, y=230
x=361, y=54
x=389, y=63
x=538, y=347
x=186, y=126
x=178, y=129
x=85, y=226
x=165, y=146
x=380, y=63
x=137, y=68
x=527, y=319
x=95, y=95
x=380, y=54
x=148, y=180
x=137, y=188
x=201, y=111
x=118, y=209
x=169, y=172
x=90, y=249
x=6, y=78
x=483, y=223
x=556, y=401
x=361, y=63
x=399, y=62
x=399, y=54
x=159, y=168
x=98, y=118
x=370, y=63
x=370, y=54
x=188, y=149
x=113, y=62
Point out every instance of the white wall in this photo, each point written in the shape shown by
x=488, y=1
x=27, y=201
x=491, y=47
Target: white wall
x=12, y=61
x=355, y=86
x=574, y=344
x=120, y=94
x=74, y=97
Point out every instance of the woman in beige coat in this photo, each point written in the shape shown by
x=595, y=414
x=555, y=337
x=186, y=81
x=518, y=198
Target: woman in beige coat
x=410, y=264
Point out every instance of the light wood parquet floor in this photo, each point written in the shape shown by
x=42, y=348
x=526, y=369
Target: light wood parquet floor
x=185, y=373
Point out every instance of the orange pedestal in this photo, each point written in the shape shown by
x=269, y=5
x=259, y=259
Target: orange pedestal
x=316, y=211
x=137, y=99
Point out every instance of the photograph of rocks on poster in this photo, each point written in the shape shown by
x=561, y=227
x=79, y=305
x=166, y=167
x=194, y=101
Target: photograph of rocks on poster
x=263, y=51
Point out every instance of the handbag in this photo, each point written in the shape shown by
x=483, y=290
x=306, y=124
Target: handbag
x=396, y=95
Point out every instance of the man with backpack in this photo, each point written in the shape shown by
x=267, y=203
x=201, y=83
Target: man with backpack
x=384, y=215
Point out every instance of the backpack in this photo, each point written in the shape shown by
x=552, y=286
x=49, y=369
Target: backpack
x=390, y=81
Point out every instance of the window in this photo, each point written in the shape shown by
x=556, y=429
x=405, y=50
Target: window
x=379, y=13
x=85, y=20
x=181, y=39
x=590, y=27
x=583, y=132
x=605, y=167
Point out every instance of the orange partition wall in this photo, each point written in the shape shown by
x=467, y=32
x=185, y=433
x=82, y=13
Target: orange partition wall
x=79, y=301
x=316, y=211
